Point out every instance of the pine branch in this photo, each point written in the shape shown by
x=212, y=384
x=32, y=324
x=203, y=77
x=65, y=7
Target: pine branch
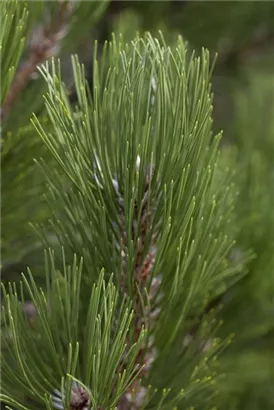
x=55, y=331
x=137, y=192
x=158, y=225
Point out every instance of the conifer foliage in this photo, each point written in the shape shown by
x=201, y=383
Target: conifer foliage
x=139, y=238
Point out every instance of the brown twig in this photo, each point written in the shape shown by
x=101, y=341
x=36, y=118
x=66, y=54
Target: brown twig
x=143, y=267
x=45, y=42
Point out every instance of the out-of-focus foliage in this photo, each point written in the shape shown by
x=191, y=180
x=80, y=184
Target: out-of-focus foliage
x=13, y=29
x=249, y=308
x=227, y=26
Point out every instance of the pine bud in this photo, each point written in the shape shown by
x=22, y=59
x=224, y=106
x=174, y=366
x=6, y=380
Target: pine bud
x=79, y=398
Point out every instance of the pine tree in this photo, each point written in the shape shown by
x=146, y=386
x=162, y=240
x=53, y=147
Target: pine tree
x=139, y=224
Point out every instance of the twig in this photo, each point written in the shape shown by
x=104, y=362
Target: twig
x=142, y=274
x=45, y=42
